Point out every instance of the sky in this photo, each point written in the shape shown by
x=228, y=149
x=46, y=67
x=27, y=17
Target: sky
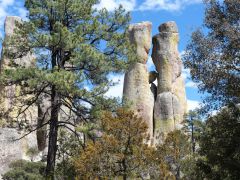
x=188, y=14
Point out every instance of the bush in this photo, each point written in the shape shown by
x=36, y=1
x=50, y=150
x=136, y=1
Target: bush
x=25, y=170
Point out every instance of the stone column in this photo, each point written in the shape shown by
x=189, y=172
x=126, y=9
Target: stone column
x=8, y=93
x=137, y=90
x=170, y=104
x=33, y=114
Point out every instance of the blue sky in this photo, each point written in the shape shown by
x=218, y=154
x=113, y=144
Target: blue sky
x=188, y=14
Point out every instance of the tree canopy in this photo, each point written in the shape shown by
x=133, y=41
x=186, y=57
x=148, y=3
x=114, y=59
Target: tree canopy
x=220, y=146
x=213, y=54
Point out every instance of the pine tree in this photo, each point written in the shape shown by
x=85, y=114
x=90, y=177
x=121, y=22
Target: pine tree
x=193, y=125
x=76, y=48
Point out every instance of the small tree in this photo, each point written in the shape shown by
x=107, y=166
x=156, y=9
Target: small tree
x=120, y=151
x=32, y=153
x=175, y=149
x=194, y=126
x=23, y=170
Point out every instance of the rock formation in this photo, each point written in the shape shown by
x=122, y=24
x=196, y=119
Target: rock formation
x=9, y=92
x=11, y=150
x=164, y=105
x=136, y=82
x=170, y=104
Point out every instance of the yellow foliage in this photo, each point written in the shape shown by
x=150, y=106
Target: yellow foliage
x=121, y=151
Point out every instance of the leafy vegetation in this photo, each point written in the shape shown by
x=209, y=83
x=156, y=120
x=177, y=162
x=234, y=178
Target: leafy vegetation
x=220, y=145
x=213, y=55
x=121, y=151
x=22, y=170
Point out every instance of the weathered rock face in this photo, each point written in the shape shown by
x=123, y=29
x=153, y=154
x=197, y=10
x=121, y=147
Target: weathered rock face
x=140, y=36
x=33, y=114
x=28, y=60
x=136, y=82
x=170, y=104
x=9, y=26
x=44, y=106
x=11, y=150
x=164, y=105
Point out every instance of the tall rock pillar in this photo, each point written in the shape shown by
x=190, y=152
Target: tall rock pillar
x=170, y=104
x=8, y=93
x=35, y=115
x=136, y=82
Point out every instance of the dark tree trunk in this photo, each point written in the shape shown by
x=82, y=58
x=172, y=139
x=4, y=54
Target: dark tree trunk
x=193, y=140
x=53, y=134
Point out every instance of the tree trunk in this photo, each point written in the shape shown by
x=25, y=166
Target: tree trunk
x=124, y=170
x=53, y=134
x=193, y=140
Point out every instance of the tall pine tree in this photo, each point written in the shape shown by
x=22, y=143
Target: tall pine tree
x=76, y=48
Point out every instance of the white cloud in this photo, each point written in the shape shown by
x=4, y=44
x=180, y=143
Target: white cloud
x=5, y=3
x=22, y=13
x=191, y=84
x=191, y=104
x=110, y=5
x=186, y=73
x=117, y=90
x=169, y=5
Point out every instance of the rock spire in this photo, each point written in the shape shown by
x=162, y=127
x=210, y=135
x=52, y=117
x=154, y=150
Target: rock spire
x=164, y=105
x=137, y=89
x=170, y=104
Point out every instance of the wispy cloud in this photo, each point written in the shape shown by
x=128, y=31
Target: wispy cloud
x=191, y=84
x=168, y=5
x=110, y=5
x=117, y=90
x=5, y=3
x=192, y=104
x=137, y=5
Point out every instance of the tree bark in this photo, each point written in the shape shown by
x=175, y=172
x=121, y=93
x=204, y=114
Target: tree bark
x=53, y=134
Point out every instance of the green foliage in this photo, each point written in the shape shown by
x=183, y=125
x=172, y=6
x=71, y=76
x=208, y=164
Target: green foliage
x=194, y=127
x=32, y=152
x=213, y=54
x=65, y=170
x=220, y=145
x=175, y=148
x=22, y=170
